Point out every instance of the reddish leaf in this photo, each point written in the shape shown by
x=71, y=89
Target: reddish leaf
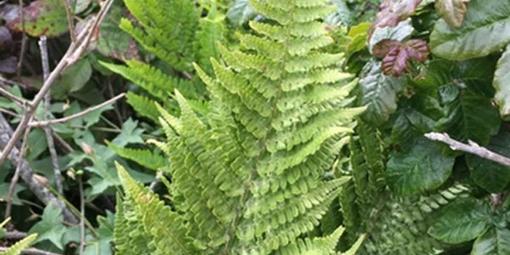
x=418, y=50
x=391, y=12
x=384, y=47
x=400, y=55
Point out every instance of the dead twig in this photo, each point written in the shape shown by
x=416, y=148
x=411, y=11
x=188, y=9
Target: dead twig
x=70, y=21
x=75, y=51
x=471, y=148
x=47, y=103
x=82, y=218
x=28, y=176
x=76, y=115
x=15, y=177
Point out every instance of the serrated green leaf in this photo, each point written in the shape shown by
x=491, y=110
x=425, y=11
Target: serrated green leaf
x=379, y=93
x=486, y=29
x=424, y=167
x=496, y=241
x=461, y=221
x=502, y=84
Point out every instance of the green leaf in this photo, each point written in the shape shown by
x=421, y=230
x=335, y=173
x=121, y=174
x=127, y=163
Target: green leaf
x=112, y=41
x=461, y=221
x=424, y=167
x=496, y=241
x=474, y=118
x=38, y=143
x=489, y=175
x=502, y=84
x=130, y=134
x=452, y=11
x=73, y=79
x=42, y=17
x=50, y=227
x=379, y=93
x=486, y=30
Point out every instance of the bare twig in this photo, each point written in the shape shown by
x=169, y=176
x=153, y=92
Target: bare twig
x=47, y=103
x=70, y=21
x=75, y=51
x=77, y=115
x=15, y=235
x=23, y=39
x=15, y=177
x=20, y=101
x=31, y=251
x=27, y=174
x=471, y=147
x=82, y=218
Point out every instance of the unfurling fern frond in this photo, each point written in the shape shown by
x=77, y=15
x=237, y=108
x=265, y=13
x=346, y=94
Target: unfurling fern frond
x=18, y=247
x=249, y=177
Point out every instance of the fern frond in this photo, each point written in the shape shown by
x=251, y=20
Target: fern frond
x=249, y=176
x=150, y=213
x=143, y=105
x=18, y=247
x=402, y=224
x=144, y=157
x=166, y=29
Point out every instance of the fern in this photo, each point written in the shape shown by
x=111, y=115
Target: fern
x=402, y=224
x=249, y=177
x=177, y=35
x=17, y=248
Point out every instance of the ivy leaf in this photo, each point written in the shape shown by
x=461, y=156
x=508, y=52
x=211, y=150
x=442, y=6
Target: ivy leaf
x=486, y=29
x=502, y=84
x=489, y=175
x=240, y=12
x=42, y=17
x=379, y=93
x=50, y=227
x=495, y=241
x=452, y=11
x=461, y=221
x=424, y=167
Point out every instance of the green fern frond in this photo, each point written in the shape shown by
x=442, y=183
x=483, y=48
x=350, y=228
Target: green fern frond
x=143, y=157
x=144, y=106
x=166, y=29
x=316, y=246
x=146, y=223
x=18, y=247
x=249, y=176
x=402, y=224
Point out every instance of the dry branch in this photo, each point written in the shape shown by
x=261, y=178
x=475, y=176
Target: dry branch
x=471, y=147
